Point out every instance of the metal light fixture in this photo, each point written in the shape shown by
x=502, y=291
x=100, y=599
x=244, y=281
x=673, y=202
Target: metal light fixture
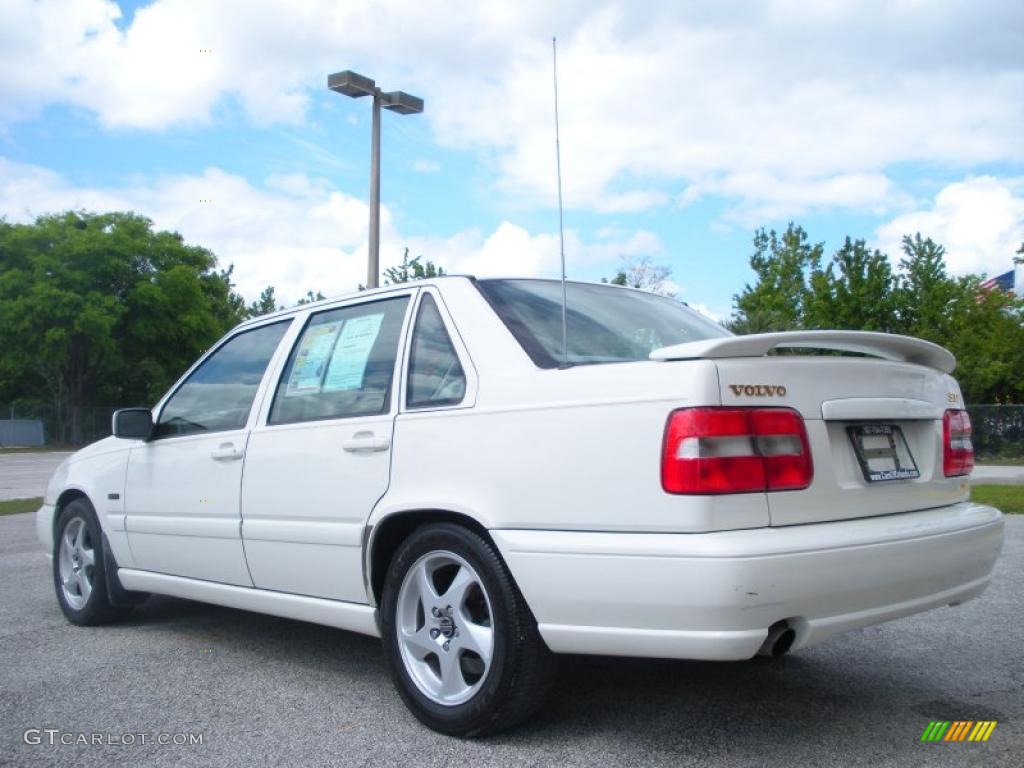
x=352, y=84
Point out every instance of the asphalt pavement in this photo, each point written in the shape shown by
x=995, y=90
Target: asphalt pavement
x=25, y=475
x=266, y=691
x=1010, y=474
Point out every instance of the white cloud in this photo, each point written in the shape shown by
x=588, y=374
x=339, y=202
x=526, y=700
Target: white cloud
x=824, y=97
x=765, y=197
x=426, y=166
x=293, y=232
x=979, y=220
x=298, y=233
x=627, y=202
x=511, y=250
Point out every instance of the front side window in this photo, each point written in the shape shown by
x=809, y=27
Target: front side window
x=435, y=373
x=605, y=324
x=218, y=395
x=342, y=365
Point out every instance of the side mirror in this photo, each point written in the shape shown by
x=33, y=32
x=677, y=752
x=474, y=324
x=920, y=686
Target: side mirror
x=133, y=423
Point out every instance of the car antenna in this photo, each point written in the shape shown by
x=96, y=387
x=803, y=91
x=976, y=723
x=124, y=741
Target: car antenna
x=561, y=226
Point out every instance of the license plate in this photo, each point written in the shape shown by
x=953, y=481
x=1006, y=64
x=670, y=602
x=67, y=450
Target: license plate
x=883, y=452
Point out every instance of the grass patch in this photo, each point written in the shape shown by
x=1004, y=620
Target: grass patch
x=1008, y=498
x=17, y=506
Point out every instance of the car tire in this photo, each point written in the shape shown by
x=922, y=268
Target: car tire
x=80, y=563
x=462, y=644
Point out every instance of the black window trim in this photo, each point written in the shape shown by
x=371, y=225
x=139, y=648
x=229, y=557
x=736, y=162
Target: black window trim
x=524, y=341
x=442, y=312
x=461, y=349
x=271, y=394
x=235, y=332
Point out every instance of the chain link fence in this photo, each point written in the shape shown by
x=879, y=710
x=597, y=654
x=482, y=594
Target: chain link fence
x=998, y=432
x=45, y=425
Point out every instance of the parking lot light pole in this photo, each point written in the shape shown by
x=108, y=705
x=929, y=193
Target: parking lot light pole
x=356, y=86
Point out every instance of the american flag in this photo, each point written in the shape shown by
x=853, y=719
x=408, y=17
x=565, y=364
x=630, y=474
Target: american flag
x=1003, y=282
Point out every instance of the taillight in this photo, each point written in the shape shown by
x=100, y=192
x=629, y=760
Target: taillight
x=735, y=450
x=957, y=448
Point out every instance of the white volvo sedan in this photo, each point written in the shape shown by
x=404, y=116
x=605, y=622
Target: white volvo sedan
x=429, y=464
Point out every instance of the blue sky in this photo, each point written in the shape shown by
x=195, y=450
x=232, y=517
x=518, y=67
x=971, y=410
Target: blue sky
x=684, y=128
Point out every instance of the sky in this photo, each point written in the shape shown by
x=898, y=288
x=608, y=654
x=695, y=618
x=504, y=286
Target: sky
x=685, y=126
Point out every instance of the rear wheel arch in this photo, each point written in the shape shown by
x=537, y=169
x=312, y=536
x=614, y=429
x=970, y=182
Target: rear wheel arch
x=463, y=647
x=388, y=533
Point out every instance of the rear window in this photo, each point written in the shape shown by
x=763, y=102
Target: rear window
x=606, y=324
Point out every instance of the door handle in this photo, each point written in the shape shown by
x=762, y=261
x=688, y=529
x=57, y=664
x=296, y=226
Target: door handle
x=226, y=452
x=366, y=442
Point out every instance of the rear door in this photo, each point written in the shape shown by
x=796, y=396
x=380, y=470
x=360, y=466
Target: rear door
x=320, y=457
x=874, y=427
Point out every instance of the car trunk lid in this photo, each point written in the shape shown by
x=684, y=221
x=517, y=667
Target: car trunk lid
x=874, y=424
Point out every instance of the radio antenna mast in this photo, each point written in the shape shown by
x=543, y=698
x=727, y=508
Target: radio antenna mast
x=561, y=227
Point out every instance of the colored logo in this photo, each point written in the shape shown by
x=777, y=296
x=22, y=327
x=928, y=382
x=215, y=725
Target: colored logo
x=958, y=730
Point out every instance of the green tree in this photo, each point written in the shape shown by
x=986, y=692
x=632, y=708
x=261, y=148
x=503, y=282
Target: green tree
x=411, y=269
x=984, y=329
x=856, y=290
x=101, y=309
x=235, y=305
x=926, y=292
x=265, y=304
x=986, y=333
x=785, y=267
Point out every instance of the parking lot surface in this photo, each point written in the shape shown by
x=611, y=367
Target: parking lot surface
x=268, y=691
x=1000, y=475
x=25, y=475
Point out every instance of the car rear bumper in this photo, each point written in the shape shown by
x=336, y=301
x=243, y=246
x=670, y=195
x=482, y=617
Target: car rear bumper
x=715, y=595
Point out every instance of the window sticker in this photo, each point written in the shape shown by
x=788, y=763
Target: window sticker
x=352, y=352
x=312, y=357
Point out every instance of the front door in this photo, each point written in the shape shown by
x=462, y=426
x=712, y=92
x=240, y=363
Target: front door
x=320, y=459
x=183, y=487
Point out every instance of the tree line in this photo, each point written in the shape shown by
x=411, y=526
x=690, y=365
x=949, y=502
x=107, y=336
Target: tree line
x=860, y=288
x=102, y=309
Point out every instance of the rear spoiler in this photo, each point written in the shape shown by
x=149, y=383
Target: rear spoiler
x=905, y=349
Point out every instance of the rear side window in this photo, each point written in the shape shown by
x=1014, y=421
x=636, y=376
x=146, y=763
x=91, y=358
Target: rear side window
x=219, y=393
x=605, y=324
x=435, y=373
x=342, y=365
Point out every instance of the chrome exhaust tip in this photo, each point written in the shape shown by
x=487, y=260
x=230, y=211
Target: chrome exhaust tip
x=779, y=641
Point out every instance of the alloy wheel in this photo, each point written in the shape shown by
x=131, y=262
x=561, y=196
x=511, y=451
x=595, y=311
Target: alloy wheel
x=445, y=627
x=77, y=563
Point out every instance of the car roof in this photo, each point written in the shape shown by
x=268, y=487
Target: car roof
x=289, y=311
